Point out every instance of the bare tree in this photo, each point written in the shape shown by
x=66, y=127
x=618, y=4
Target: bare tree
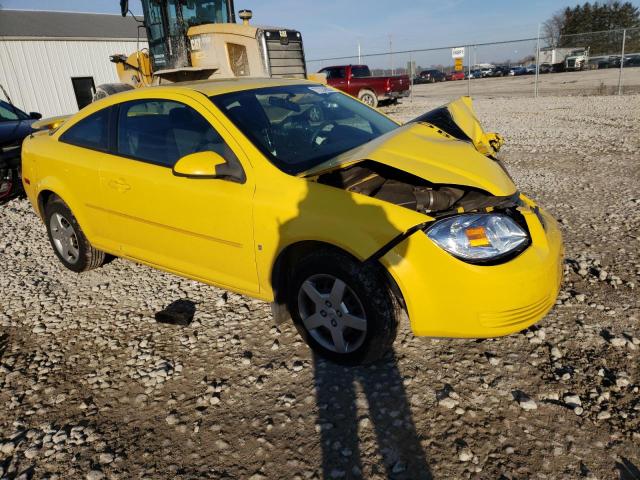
x=552, y=28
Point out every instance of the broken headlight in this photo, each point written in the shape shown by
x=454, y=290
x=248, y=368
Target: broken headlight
x=478, y=237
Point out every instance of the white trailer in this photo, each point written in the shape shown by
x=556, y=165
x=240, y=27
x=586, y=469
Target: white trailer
x=554, y=56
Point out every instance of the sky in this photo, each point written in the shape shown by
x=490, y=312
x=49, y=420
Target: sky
x=333, y=28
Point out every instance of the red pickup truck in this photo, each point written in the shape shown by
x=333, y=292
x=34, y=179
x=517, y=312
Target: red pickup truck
x=356, y=80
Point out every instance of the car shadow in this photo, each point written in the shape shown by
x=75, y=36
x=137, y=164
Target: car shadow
x=381, y=415
x=378, y=423
x=4, y=343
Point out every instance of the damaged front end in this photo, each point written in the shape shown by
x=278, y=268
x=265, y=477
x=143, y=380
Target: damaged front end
x=401, y=188
x=441, y=164
x=485, y=260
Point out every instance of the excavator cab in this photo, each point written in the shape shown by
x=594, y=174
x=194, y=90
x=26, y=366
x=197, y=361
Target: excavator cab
x=200, y=39
x=168, y=22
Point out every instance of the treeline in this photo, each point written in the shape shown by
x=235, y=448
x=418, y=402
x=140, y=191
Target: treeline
x=569, y=27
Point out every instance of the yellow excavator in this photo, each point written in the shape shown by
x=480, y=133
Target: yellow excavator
x=200, y=39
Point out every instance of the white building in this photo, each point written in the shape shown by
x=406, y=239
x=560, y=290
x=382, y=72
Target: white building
x=49, y=61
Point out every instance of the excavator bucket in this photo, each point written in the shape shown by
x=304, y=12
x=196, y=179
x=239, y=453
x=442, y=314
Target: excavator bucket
x=458, y=119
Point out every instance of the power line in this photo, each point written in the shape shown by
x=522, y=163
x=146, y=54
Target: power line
x=501, y=42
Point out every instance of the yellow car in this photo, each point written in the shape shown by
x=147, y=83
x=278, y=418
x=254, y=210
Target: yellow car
x=297, y=194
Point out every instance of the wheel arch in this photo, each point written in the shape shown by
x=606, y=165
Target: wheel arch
x=287, y=257
x=43, y=198
x=49, y=189
x=364, y=90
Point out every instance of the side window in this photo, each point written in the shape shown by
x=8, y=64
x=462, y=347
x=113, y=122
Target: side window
x=91, y=132
x=360, y=72
x=9, y=114
x=339, y=72
x=163, y=131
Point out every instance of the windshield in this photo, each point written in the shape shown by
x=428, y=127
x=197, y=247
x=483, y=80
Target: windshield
x=199, y=12
x=300, y=126
x=9, y=113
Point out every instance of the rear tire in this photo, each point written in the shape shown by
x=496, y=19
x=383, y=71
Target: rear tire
x=343, y=309
x=10, y=184
x=67, y=239
x=107, y=89
x=368, y=97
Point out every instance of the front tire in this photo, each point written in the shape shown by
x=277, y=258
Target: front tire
x=67, y=239
x=368, y=97
x=343, y=309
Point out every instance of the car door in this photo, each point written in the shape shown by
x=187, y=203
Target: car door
x=198, y=227
x=75, y=159
x=338, y=78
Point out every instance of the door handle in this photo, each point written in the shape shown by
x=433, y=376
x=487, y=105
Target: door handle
x=119, y=185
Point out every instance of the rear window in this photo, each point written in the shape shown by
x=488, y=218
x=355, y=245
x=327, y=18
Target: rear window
x=332, y=73
x=360, y=72
x=91, y=132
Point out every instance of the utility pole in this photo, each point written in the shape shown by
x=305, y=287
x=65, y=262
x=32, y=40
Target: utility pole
x=624, y=38
x=412, y=74
x=537, y=62
x=359, y=54
x=391, y=53
x=468, y=53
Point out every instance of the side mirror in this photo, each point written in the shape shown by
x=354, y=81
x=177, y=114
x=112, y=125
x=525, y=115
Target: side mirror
x=208, y=165
x=35, y=116
x=124, y=7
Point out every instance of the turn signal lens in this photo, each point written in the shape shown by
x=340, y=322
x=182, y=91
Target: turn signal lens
x=477, y=237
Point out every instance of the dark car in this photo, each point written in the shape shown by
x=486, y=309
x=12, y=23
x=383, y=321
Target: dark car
x=430, y=76
x=632, y=61
x=545, y=68
x=517, y=71
x=15, y=126
x=498, y=71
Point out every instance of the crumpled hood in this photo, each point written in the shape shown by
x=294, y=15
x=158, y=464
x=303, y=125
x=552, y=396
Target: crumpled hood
x=427, y=152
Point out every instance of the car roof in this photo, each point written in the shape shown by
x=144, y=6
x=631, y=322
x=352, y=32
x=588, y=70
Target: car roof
x=213, y=87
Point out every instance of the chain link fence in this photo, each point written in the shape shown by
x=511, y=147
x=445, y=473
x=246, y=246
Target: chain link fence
x=594, y=63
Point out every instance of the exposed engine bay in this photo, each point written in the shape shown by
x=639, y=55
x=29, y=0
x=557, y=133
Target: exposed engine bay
x=401, y=188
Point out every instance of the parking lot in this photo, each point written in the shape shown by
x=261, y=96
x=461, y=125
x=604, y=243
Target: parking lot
x=590, y=82
x=92, y=386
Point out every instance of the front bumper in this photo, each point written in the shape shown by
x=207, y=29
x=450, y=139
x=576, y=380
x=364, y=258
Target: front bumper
x=446, y=297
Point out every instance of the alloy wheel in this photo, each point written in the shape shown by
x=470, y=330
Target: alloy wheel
x=332, y=313
x=368, y=99
x=64, y=238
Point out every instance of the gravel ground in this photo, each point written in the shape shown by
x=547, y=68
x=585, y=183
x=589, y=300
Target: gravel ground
x=91, y=386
